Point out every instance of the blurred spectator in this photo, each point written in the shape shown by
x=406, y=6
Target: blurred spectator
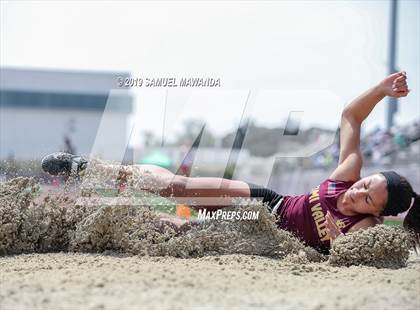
x=378, y=146
x=68, y=146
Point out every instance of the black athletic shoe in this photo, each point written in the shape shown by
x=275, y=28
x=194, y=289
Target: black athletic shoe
x=63, y=164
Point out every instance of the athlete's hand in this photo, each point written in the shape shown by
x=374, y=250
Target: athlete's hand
x=395, y=85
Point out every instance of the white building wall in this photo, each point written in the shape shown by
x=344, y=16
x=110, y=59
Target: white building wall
x=31, y=133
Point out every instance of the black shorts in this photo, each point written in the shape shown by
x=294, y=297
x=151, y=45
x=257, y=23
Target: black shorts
x=268, y=196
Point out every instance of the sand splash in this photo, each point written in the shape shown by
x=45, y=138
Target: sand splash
x=32, y=223
x=82, y=221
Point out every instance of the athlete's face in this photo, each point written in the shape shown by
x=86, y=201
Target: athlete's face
x=368, y=195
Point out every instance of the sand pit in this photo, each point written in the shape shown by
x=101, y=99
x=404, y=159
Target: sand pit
x=96, y=281
x=127, y=259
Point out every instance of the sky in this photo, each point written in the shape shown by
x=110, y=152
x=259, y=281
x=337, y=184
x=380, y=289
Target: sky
x=266, y=54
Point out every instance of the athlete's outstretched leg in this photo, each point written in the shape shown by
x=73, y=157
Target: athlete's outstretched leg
x=200, y=193
x=209, y=193
x=197, y=192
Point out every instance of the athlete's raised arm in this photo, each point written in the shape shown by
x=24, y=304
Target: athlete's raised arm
x=350, y=160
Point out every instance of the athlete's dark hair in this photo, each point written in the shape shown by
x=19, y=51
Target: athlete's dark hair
x=402, y=197
x=412, y=222
x=400, y=194
x=412, y=219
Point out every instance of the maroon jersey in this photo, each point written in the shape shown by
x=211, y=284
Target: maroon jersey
x=304, y=215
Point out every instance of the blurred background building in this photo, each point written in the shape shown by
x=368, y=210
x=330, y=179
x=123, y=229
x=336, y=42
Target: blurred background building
x=43, y=111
